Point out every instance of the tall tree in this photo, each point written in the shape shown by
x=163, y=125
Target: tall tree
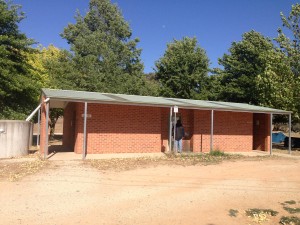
x=18, y=87
x=183, y=70
x=105, y=57
x=290, y=45
x=256, y=72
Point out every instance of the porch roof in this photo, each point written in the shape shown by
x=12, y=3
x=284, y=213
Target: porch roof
x=60, y=98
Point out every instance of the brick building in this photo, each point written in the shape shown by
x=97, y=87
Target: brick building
x=115, y=123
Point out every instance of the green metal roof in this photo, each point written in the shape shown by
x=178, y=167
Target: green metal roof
x=59, y=98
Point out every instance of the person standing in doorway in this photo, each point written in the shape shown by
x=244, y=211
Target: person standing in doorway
x=179, y=135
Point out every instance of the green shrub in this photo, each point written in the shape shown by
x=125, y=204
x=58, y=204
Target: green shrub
x=217, y=153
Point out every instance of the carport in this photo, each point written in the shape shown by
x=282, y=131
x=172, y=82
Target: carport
x=200, y=115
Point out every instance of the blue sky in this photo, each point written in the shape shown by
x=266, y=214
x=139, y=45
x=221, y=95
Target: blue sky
x=215, y=23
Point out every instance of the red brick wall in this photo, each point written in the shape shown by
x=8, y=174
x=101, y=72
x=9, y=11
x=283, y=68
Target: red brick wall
x=165, y=117
x=235, y=129
x=119, y=129
x=232, y=131
x=125, y=129
x=261, y=131
x=201, y=135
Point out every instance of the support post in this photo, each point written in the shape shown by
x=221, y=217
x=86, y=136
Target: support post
x=39, y=129
x=47, y=135
x=290, y=128
x=271, y=141
x=170, y=130
x=212, y=131
x=175, y=146
x=84, y=131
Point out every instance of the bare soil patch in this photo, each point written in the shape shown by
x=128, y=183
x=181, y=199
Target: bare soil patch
x=279, y=148
x=172, y=191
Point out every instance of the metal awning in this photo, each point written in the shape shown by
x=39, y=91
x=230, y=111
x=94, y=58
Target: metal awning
x=60, y=98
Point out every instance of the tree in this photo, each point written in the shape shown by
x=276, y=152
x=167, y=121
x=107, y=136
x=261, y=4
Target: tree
x=275, y=84
x=54, y=68
x=18, y=87
x=59, y=67
x=258, y=73
x=291, y=47
x=105, y=57
x=183, y=70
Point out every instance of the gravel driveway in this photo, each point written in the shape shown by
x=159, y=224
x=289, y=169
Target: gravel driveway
x=73, y=192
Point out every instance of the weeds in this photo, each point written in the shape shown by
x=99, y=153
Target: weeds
x=290, y=220
x=291, y=202
x=233, y=212
x=217, y=153
x=251, y=212
x=291, y=210
x=260, y=215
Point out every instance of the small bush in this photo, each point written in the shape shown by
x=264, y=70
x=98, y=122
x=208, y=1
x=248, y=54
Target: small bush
x=217, y=153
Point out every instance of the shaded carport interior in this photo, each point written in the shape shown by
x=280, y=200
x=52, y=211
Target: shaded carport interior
x=53, y=98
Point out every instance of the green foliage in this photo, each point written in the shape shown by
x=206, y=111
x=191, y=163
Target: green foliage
x=256, y=72
x=241, y=66
x=183, y=70
x=19, y=88
x=58, y=66
x=105, y=58
x=55, y=66
x=217, y=153
x=291, y=48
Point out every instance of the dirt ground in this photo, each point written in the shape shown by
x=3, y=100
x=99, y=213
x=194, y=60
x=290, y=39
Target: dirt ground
x=74, y=192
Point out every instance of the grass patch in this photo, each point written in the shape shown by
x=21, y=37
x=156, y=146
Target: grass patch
x=290, y=220
x=233, y=212
x=291, y=202
x=291, y=210
x=252, y=212
x=260, y=215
